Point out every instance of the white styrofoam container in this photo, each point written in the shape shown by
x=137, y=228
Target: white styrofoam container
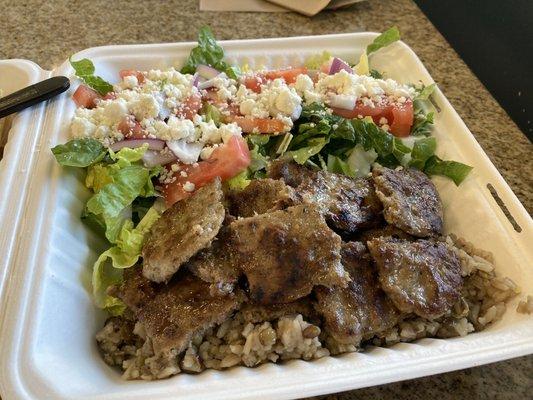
x=47, y=319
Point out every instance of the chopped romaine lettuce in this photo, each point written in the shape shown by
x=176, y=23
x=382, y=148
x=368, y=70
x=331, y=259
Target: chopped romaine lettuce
x=423, y=149
x=391, y=35
x=339, y=166
x=84, y=70
x=454, y=170
x=209, y=52
x=423, y=124
x=211, y=113
x=424, y=92
x=363, y=68
x=239, y=182
x=374, y=73
x=79, y=152
x=314, y=146
x=360, y=160
x=124, y=254
x=316, y=61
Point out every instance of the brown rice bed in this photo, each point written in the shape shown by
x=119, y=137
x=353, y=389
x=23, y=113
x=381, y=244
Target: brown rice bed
x=237, y=342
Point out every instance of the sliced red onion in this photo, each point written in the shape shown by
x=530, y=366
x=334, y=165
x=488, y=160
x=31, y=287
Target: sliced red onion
x=337, y=65
x=206, y=71
x=153, y=144
x=151, y=158
x=196, y=79
x=342, y=101
x=187, y=153
x=206, y=85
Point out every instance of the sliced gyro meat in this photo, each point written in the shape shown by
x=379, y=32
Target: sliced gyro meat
x=384, y=231
x=348, y=204
x=216, y=264
x=261, y=196
x=410, y=201
x=421, y=277
x=362, y=309
x=185, y=228
x=255, y=313
x=292, y=173
x=181, y=309
x=285, y=253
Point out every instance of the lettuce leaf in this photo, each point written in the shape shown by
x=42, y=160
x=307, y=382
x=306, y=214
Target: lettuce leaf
x=391, y=35
x=316, y=61
x=454, y=170
x=211, y=113
x=337, y=165
x=422, y=124
x=79, y=153
x=84, y=70
x=116, y=187
x=423, y=149
x=314, y=146
x=107, y=269
x=208, y=52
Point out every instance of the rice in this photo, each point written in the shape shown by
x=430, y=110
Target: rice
x=237, y=341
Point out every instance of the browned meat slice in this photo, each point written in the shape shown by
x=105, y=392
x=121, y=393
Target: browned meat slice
x=423, y=277
x=385, y=231
x=216, y=265
x=349, y=205
x=292, y=173
x=285, y=253
x=261, y=196
x=255, y=313
x=410, y=200
x=361, y=310
x=185, y=228
x=182, y=309
x=135, y=290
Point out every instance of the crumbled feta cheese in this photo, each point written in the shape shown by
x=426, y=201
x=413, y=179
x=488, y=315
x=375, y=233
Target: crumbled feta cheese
x=130, y=82
x=81, y=127
x=181, y=129
x=113, y=111
x=226, y=131
x=144, y=106
x=188, y=186
x=209, y=132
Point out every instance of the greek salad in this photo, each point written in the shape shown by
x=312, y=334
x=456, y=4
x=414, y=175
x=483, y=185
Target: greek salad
x=155, y=137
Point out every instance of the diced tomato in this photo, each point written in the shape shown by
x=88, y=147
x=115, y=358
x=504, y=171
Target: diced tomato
x=288, y=75
x=225, y=162
x=254, y=83
x=258, y=125
x=84, y=96
x=399, y=116
x=131, y=128
x=190, y=106
x=402, y=119
x=131, y=72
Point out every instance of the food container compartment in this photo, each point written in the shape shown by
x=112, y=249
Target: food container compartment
x=48, y=321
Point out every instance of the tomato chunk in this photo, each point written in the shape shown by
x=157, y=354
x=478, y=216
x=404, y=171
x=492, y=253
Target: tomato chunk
x=190, y=106
x=399, y=116
x=254, y=83
x=289, y=75
x=131, y=128
x=84, y=96
x=225, y=162
x=402, y=119
x=131, y=72
x=258, y=125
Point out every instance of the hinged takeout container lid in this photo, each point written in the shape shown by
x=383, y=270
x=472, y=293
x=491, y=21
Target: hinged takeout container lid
x=48, y=321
